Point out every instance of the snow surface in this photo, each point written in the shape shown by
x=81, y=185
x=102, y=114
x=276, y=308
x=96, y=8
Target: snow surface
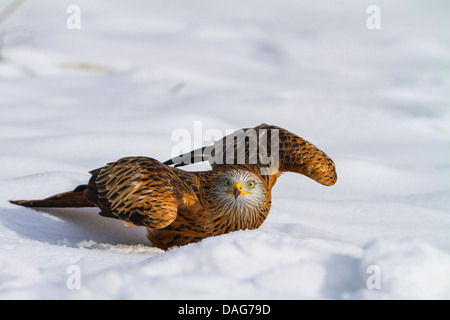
x=376, y=101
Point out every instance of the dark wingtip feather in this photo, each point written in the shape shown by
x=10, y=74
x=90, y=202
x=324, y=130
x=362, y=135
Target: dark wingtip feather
x=168, y=162
x=23, y=203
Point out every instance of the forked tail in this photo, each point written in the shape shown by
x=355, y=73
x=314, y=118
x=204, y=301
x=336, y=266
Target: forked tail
x=71, y=199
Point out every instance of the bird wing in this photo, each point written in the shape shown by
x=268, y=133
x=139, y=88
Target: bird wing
x=300, y=156
x=139, y=190
x=271, y=148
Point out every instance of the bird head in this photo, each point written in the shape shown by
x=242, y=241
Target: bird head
x=240, y=190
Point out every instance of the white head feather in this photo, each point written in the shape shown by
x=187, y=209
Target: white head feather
x=240, y=191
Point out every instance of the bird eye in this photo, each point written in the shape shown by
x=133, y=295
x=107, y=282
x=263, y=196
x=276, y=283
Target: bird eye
x=227, y=183
x=251, y=184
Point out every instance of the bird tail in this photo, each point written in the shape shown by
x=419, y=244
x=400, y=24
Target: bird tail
x=71, y=199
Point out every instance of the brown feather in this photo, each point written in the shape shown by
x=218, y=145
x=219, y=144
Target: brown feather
x=71, y=199
x=180, y=207
x=295, y=154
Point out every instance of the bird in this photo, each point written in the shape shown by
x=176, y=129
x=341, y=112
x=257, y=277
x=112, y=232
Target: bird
x=179, y=207
x=288, y=153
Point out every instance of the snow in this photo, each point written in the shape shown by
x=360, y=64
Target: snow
x=376, y=101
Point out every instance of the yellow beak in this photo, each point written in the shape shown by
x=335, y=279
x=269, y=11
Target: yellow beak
x=237, y=190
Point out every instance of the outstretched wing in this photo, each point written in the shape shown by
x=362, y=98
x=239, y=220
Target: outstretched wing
x=139, y=190
x=272, y=148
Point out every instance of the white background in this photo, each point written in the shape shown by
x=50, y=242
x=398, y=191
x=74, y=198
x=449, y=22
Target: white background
x=376, y=101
